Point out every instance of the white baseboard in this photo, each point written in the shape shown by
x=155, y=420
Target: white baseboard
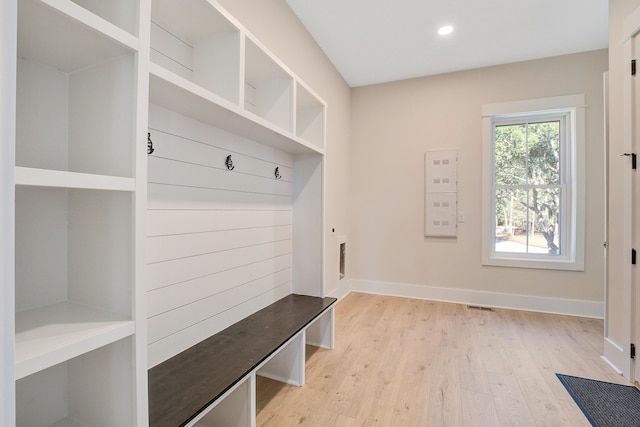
x=617, y=358
x=343, y=289
x=570, y=307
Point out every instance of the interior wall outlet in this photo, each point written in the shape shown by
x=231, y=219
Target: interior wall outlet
x=460, y=216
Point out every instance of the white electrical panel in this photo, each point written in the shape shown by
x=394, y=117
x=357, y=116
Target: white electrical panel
x=441, y=193
x=441, y=171
x=440, y=218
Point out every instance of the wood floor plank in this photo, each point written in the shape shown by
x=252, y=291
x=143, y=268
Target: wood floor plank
x=478, y=409
x=409, y=362
x=445, y=399
x=543, y=406
x=509, y=402
x=473, y=376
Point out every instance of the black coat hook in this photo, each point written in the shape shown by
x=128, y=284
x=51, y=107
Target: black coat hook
x=150, y=148
x=229, y=163
x=277, y=173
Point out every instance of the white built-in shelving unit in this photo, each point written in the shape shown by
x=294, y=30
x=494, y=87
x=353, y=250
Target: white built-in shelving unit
x=80, y=91
x=74, y=207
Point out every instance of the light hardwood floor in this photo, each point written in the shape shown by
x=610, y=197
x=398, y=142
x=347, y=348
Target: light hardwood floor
x=408, y=362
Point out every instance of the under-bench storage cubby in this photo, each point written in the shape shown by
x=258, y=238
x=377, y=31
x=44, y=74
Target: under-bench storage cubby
x=235, y=408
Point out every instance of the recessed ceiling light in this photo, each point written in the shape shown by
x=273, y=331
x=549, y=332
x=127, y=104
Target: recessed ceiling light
x=447, y=29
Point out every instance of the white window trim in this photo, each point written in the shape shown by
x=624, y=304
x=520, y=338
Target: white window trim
x=574, y=258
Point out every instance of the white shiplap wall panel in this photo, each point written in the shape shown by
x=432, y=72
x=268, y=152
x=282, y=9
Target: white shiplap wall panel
x=183, y=269
x=168, y=298
x=181, y=318
x=169, y=222
x=171, y=52
x=175, y=343
x=171, y=197
x=219, y=241
x=166, y=248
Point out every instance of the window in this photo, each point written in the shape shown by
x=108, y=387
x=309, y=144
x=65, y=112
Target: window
x=534, y=183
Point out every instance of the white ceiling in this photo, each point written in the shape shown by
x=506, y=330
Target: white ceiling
x=375, y=41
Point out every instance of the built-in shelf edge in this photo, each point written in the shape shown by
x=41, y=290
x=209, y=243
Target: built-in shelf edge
x=96, y=23
x=35, y=177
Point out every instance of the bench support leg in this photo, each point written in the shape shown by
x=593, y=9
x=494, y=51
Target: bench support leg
x=321, y=332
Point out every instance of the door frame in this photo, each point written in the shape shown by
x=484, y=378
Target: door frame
x=618, y=354
x=8, y=28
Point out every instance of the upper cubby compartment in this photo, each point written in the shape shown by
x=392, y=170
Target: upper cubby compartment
x=206, y=66
x=75, y=91
x=193, y=40
x=268, y=88
x=310, y=119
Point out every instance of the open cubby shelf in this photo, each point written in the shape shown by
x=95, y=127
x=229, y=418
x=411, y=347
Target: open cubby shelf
x=53, y=334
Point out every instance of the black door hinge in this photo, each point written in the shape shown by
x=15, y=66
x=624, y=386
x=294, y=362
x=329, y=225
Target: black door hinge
x=633, y=67
x=633, y=351
x=633, y=256
x=634, y=159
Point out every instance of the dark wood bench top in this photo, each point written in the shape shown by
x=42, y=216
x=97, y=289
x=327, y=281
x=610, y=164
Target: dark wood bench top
x=186, y=384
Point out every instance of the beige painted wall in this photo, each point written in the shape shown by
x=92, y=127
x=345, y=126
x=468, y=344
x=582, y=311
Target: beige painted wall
x=394, y=123
x=277, y=27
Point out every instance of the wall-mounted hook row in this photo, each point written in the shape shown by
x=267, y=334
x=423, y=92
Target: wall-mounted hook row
x=230, y=166
x=229, y=163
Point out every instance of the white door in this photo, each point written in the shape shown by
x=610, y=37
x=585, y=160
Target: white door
x=634, y=172
x=623, y=233
x=632, y=183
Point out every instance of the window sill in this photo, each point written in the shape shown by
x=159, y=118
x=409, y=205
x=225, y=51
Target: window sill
x=544, y=264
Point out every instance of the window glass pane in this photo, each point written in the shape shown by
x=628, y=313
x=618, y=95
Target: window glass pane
x=511, y=220
x=544, y=153
x=528, y=221
x=510, y=154
x=545, y=219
